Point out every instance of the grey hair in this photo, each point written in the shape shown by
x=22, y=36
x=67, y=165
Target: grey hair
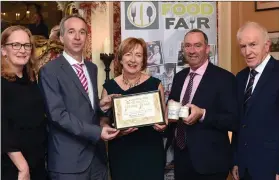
x=254, y=25
x=64, y=19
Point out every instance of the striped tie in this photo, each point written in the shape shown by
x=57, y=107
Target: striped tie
x=248, y=91
x=81, y=76
x=180, y=136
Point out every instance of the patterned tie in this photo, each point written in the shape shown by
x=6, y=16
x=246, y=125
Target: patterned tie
x=180, y=136
x=248, y=91
x=81, y=76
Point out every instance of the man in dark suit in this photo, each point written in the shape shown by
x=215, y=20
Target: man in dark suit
x=38, y=27
x=256, y=144
x=201, y=144
x=69, y=85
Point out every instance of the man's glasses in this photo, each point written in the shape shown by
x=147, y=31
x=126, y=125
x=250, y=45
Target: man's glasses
x=17, y=46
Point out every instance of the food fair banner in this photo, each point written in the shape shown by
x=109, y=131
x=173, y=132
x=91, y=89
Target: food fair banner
x=163, y=26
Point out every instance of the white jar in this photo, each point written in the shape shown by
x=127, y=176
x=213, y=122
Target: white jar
x=173, y=110
x=184, y=112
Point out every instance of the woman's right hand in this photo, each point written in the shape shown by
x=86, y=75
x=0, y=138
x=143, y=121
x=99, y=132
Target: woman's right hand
x=23, y=174
x=127, y=131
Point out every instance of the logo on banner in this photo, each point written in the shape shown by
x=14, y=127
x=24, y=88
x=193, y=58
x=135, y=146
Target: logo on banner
x=141, y=15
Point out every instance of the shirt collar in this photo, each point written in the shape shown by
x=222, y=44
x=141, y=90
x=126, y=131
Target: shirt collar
x=201, y=70
x=261, y=66
x=71, y=60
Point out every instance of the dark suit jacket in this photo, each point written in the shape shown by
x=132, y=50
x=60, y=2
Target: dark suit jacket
x=74, y=131
x=257, y=143
x=208, y=141
x=41, y=29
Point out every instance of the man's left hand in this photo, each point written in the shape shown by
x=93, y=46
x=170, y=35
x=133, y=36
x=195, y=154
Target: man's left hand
x=196, y=114
x=106, y=102
x=277, y=176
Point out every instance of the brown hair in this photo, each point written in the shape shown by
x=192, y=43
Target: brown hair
x=5, y=69
x=126, y=46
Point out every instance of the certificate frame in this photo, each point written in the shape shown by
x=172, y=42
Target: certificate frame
x=137, y=110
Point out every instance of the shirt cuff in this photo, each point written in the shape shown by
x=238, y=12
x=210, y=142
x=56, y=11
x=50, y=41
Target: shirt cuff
x=201, y=120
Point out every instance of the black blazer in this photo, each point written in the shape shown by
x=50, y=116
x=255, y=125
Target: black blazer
x=208, y=141
x=257, y=142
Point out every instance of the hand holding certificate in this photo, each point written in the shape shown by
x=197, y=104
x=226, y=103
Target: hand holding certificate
x=137, y=110
x=106, y=102
x=127, y=131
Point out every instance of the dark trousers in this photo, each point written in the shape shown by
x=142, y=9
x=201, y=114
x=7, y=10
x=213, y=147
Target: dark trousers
x=97, y=170
x=184, y=170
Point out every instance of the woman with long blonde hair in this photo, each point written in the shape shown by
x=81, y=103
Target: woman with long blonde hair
x=23, y=120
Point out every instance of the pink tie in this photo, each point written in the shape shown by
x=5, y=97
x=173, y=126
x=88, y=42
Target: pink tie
x=81, y=76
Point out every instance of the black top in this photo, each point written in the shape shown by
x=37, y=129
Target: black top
x=139, y=155
x=23, y=121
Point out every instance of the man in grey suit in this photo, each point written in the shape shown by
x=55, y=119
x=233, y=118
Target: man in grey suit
x=76, y=148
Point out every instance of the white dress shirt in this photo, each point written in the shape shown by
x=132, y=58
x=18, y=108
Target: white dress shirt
x=72, y=61
x=259, y=69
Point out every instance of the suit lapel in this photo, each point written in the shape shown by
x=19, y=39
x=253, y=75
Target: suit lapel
x=203, y=85
x=93, y=78
x=263, y=79
x=66, y=67
x=181, y=83
x=242, y=85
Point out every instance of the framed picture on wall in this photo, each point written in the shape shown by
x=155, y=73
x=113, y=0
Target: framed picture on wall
x=266, y=5
x=154, y=53
x=274, y=46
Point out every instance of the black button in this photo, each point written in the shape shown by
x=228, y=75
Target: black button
x=245, y=144
x=244, y=126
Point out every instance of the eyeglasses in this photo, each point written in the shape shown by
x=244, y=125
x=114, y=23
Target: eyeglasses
x=17, y=46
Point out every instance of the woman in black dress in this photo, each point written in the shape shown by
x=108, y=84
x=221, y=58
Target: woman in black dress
x=137, y=153
x=23, y=120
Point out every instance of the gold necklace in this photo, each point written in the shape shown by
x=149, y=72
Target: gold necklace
x=126, y=82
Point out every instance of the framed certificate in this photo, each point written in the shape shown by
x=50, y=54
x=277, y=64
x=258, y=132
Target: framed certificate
x=137, y=110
